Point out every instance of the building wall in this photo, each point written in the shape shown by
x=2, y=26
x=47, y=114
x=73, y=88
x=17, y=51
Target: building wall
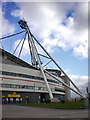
x=67, y=90
x=34, y=95
x=27, y=71
x=25, y=96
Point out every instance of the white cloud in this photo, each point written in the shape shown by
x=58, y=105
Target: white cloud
x=67, y=71
x=5, y=26
x=81, y=82
x=81, y=51
x=0, y=20
x=46, y=24
x=16, y=13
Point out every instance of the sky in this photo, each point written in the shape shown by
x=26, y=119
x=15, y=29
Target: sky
x=61, y=27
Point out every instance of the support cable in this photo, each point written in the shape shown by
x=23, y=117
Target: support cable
x=33, y=60
x=34, y=50
x=44, y=56
x=11, y=44
x=64, y=83
x=18, y=44
x=47, y=63
x=11, y=35
x=30, y=47
x=22, y=45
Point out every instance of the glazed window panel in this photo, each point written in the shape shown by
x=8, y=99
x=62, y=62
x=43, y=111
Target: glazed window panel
x=5, y=86
x=45, y=88
x=13, y=86
x=28, y=76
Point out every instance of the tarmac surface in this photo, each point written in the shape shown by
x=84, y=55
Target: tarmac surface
x=16, y=111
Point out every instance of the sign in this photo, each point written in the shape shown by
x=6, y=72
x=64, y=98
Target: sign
x=13, y=95
x=27, y=96
x=3, y=96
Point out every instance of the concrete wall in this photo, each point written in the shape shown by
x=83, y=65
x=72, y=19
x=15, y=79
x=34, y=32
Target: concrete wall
x=67, y=90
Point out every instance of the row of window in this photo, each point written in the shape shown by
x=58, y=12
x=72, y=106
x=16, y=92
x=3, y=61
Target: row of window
x=24, y=87
x=58, y=90
x=27, y=76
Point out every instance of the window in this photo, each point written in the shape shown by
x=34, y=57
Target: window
x=14, y=86
x=23, y=86
x=53, y=81
x=45, y=88
x=5, y=86
x=39, y=88
x=17, y=86
x=21, y=75
x=62, y=96
x=17, y=99
x=58, y=90
x=54, y=73
x=11, y=99
x=13, y=74
x=29, y=87
x=52, y=89
x=28, y=76
x=6, y=73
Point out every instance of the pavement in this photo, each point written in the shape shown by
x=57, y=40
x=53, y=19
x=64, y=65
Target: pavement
x=17, y=111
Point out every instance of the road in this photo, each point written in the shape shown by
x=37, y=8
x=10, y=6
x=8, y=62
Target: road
x=16, y=111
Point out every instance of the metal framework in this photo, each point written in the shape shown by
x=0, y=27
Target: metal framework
x=36, y=61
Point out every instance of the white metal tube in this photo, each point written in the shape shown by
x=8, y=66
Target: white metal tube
x=57, y=64
x=64, y=83
x=41, y=68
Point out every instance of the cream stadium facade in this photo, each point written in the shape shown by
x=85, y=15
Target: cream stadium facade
x=21, y=82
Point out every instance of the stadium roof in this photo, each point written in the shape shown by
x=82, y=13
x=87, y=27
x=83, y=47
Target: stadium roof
x=14, y=59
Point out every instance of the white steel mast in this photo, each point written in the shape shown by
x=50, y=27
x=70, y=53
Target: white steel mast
x=36, y=61
x=35, y=56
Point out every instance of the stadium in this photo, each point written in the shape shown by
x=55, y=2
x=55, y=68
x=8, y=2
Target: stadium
x=21, y=82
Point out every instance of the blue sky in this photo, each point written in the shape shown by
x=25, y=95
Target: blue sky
x=60, y=27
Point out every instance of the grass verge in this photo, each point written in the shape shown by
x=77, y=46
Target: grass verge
x=66, y=105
